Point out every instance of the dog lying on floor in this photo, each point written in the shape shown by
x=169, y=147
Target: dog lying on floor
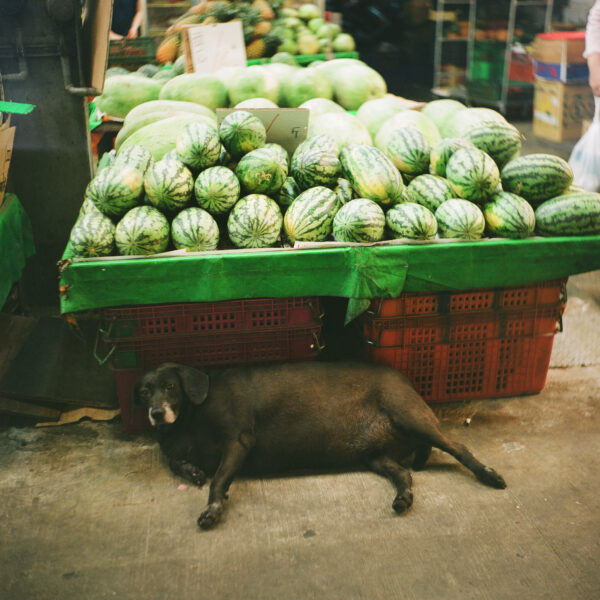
x=270, y=419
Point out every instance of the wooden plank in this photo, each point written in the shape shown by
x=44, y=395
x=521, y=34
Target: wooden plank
x=29, y=409
x=14, y=330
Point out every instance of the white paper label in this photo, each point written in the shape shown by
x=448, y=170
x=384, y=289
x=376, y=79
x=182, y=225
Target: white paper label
x=215, y=46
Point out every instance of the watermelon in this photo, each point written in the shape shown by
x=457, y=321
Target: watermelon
x=408, y=118
x=112, y=71
x=123, y=92
x=412, y=221
x=253, y=82
x=161, y=136
x=179, y=65
x=305, y=84
x=321, y=142
x=502, y=141
x=408, y=149
x=575, y=213
x=217, y=189
x=343, y=191
x=314, y=168
x=88, y=207
x=442, y=151
x=198, y=146
x=143, y=230
x=115, y=190
x=168, y=108
x=280, y=154
x=256, y=103
x=310, y=216
x=442, y=111
x=537, y=177
x=195, y=87
x=429, y=191
x=508, y=215
x=458, y=218
x=288, y=193
x=344, y=128
x=106, y=160
x=354, y=84
x=242, y=132
x=168, y=185
x=281, y=72
x=92, y=235
x=374, y=112
x=254, y=222
x=321, y=106
x=473, y=174
x=372, y=174
x=195, y=230
x=135, y=156
x=463, y=120
x=360, y=220
x=260, y=172
x=148, y=70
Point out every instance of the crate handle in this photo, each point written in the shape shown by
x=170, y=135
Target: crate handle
x=320, y=347
x=317, y=315
x=102, y=361
x=559, y=328
x=563, y=297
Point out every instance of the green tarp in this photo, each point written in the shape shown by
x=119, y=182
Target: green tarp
x=357, y=272
x=16, y=243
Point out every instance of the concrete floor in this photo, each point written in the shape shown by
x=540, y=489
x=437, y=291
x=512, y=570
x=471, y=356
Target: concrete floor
x=88, y=511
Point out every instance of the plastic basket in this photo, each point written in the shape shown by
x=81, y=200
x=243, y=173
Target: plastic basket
x=140, y=47
x=169, y=320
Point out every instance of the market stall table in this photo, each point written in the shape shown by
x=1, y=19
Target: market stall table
x=16, y=243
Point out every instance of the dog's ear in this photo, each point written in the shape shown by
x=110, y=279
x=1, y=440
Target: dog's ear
x=194, y=383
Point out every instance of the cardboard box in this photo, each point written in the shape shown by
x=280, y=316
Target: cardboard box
x=520, y=67
x=7, y=138
x=559, y=56
x=559, y=110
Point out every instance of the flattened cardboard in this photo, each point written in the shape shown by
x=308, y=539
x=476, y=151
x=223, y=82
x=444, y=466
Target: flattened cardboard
x=208, y=48
x=7, y=138
x=285, y=126
x=97, y=21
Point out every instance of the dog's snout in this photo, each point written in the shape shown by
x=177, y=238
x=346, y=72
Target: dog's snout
x=157, y=414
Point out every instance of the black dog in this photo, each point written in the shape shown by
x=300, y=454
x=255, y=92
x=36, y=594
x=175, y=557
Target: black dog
x=268, y=419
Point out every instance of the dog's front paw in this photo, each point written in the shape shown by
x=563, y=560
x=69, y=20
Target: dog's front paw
x=402, y=502
x=211, y=515
x=491, y=478
x=194, y=475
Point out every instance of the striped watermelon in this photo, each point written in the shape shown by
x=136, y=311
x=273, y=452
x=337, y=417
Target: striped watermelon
x=198, y=147
x=169, y=185
x=217, y=189
x=106, y=160
x=428, y=191
x=473, y=174
x=254, y=222
x=458, y=218
x=537, y=177
x=315, y=167
x=501, y=140
x=372, y=174
x=171, y=155
x=310, y=216
x=408, y=149
x=260, y=173
x=570, y=214
x=343, y=190
x=508, y=215
x=320, y=141
x=92, y=235
x=115, y=190
x=241, y=132
x=280, y=154
x=410, y=220
x=360, y=220
x=135, y=156
x=288, y=192
x=88, y=207
x=442, y=151
x=143, y=230
x=195, y=230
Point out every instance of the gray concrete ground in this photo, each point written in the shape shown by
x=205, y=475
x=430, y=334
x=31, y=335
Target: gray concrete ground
x=88, y=511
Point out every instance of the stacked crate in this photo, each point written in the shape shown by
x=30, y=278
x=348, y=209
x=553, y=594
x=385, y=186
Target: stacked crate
x=207, y=334
x=482, y=343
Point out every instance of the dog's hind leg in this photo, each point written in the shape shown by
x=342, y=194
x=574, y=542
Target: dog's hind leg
x=421, y=457
x=399, y=476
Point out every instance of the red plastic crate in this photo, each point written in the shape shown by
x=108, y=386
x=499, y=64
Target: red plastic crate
x=168, y=320
x=413, y=303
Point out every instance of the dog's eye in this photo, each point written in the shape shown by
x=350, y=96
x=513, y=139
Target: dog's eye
x=170, y=386
x=144, y=393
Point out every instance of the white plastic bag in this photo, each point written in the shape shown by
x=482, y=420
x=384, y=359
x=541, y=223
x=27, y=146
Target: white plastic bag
x=585, y=157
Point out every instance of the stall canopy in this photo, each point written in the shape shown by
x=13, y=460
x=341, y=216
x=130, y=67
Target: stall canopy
x=355, y=272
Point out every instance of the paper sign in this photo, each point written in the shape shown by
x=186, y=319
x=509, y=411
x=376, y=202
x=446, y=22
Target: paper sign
x=285, y=126
x=16, y=108
x=7, y=136
x=211, y=47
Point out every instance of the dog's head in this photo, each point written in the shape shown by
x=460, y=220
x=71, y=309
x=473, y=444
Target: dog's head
x=164, y=391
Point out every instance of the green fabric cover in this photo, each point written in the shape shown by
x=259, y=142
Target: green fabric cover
x=357, y=272
x=16, y=243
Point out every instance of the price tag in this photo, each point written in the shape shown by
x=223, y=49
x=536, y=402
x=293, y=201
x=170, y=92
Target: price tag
x=285, y=126
x=211, y=47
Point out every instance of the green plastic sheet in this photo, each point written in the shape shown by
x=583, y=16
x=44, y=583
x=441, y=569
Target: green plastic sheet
x=16, y=243
x=355, y=272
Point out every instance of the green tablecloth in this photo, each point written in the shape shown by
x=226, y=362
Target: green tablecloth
x=358, y=272
x=16, y=243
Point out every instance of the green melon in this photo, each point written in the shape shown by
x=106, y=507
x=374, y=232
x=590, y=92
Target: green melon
x=304, y=85
x=408, y=118
x=196, y=87
x=123, y=92
x=253, y=82
x=375, y=112
x=344, y=128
